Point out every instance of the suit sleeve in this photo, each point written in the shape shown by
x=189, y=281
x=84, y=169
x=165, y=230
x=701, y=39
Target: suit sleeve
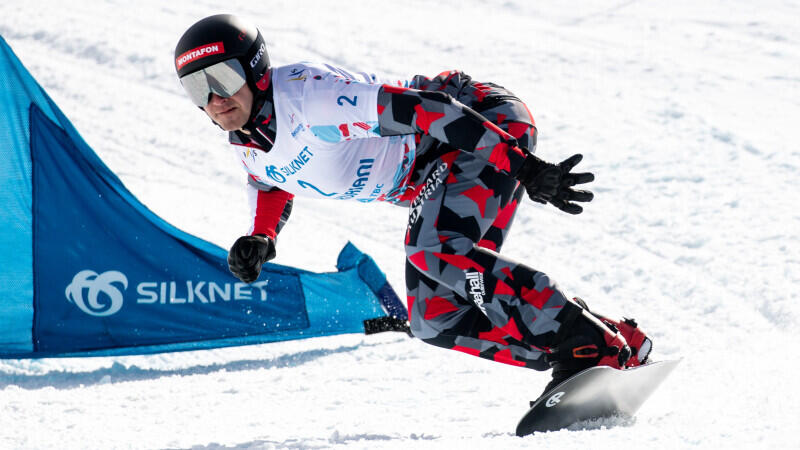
x=407, y=111
x=270, y=208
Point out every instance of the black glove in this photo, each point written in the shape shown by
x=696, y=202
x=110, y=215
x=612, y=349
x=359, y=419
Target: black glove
x=248, y=254
x=551, y=183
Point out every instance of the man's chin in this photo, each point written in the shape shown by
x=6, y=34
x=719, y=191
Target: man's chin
x=229, y=125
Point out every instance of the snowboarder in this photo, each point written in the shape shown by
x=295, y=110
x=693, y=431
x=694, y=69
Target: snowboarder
x=458, y=153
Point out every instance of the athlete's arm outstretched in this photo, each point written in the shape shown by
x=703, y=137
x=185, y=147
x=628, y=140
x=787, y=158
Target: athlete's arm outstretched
x=406, y=111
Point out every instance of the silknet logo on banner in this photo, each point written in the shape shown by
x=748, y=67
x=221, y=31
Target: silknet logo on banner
x=94, y=284
x=102, y=295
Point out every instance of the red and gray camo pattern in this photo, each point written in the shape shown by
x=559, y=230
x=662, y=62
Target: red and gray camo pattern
x=462, y=294
x=437, y=113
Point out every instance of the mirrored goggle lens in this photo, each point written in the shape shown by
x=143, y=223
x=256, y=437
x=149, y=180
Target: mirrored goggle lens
x=224, y=79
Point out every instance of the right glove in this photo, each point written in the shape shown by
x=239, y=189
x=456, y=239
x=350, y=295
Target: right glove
x=247, y=256
x=552, y=183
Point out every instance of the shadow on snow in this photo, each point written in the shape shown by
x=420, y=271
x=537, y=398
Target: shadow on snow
x=120, y=373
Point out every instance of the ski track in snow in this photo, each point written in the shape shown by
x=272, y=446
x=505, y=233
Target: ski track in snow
x=686, y=114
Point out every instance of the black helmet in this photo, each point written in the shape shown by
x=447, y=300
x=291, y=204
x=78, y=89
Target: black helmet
x=223, y=37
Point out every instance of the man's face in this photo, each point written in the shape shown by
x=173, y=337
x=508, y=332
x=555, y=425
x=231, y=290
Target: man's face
x=231, y=113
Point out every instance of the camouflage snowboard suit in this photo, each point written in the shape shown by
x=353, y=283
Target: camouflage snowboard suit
x=462, y=294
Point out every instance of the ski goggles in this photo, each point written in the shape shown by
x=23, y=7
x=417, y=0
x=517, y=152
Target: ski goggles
x=223, y=78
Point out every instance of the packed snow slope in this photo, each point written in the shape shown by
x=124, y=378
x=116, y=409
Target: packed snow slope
x=687, y=112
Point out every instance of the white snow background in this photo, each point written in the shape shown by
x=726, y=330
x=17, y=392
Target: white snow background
x=686, y=111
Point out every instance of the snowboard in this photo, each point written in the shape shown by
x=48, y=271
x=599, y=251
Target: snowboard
x=595, y=393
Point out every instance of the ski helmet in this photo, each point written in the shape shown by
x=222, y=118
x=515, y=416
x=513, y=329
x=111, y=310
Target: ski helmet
x=220, y=38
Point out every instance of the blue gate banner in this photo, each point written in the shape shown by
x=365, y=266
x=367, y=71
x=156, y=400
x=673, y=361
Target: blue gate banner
x=89, y=270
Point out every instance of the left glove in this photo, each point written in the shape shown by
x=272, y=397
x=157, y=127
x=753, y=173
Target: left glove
x=552, y=183
x=247, y=256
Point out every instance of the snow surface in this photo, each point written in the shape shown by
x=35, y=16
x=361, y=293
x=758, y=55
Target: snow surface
x=686, y=111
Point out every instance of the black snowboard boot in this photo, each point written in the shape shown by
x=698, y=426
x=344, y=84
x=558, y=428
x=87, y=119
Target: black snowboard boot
x=583, y=341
